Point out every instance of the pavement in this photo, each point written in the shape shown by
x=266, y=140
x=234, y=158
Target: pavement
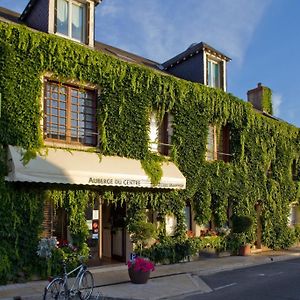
x=166, y=282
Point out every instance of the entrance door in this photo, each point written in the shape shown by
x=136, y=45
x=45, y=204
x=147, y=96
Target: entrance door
x=118, y=232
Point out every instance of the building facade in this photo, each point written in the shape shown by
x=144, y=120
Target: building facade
x=94, y=138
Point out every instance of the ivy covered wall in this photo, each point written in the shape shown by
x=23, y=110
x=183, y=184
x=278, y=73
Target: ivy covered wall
x=263, y=149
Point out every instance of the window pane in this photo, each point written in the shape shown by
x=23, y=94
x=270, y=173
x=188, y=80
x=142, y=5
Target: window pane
x=210, y=146
x=213, y=73
x=73, y=125
x=62, y=17
x=153, y=134
x=78, y=22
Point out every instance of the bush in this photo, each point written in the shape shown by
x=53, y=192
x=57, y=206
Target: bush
x=5, y=266
x=241, y=224
x=141, y=232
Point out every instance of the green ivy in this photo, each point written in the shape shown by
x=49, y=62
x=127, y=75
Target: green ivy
x=262, y=148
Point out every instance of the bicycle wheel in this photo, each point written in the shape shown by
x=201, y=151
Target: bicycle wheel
x=55, y=290
x=86, y=285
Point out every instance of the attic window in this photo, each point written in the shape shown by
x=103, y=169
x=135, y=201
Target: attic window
x=71, y=19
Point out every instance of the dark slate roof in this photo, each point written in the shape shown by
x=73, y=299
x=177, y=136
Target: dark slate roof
x=31, y=4
x=126, y=56
x=8, y=15
x=191, y=51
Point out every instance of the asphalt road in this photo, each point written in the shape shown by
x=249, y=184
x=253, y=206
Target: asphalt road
x=278, y=280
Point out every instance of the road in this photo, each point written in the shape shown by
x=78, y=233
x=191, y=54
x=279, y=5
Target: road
x=278, y=280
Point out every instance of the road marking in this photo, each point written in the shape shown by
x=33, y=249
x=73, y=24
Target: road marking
x=225, y=286
x=274, y=274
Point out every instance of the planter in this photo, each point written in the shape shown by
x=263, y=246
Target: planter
x=138, y=277
x=208, y=252
x=245, y=250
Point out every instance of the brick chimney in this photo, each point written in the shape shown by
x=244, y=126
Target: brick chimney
x=255, y=96
x=261, y=98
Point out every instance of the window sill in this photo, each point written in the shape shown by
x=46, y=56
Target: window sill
x=69, y=146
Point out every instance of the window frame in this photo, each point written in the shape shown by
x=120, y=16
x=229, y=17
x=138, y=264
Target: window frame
x=160, y=133
x=85, y=18
x=220, y=143
x=210, y=80
x=93, y=133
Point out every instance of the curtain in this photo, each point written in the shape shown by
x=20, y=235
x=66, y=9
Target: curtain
x=62, y=16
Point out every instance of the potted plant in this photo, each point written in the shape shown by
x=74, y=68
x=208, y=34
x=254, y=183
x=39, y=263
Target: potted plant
x=241, y=226
x=141, y=234
x=139, y=269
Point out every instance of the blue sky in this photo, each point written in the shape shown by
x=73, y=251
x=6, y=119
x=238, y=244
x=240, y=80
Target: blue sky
x=261, y=36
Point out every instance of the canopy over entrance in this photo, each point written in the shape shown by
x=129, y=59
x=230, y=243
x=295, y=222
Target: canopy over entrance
x=85, y=168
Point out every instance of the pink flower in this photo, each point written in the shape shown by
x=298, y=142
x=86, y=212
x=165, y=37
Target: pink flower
x=141, y=264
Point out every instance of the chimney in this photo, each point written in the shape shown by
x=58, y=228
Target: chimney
x=261, y=98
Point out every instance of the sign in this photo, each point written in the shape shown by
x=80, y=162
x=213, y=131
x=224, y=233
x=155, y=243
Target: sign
x=95, y=229
x=110, y=181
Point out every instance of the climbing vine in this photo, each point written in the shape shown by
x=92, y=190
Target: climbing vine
x=262, y=149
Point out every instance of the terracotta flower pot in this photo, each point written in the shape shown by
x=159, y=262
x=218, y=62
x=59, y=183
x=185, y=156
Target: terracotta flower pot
x=138, y=277
x=245, y=250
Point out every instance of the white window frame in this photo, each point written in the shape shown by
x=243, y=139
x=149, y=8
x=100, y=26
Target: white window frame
x=222, y=69
x=211, y=81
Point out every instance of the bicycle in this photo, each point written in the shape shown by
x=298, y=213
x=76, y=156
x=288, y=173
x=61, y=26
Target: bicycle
x=82, y=287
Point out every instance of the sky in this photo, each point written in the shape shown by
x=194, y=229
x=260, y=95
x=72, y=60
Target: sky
x=262, y=37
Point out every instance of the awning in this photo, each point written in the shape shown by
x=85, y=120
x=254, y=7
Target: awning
x=85, y=168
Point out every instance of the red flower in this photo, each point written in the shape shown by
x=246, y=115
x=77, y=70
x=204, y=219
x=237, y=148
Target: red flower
x=141, y=264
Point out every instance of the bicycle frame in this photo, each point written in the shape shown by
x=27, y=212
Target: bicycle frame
x=73, y=290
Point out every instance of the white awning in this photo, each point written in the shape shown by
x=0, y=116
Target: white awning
x=85, y=168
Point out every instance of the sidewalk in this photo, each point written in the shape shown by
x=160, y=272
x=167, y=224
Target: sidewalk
x=166, y=281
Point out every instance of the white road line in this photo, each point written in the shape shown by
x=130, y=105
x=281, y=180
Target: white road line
x=274, y=274
x=225, y=286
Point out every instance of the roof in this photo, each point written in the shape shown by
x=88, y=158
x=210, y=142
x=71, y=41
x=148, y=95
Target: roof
x=127, y=56
x=9, y=15
x=31, y=4
x=192, y=50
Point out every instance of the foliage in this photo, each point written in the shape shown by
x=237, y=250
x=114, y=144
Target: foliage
x=141, y=232
x=297, y=233
x=267, y=100
x=241, y=224
x=235, y=241
x=262, y=148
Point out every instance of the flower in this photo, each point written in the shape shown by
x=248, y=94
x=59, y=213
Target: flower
x=141, y=264
x=45, y=247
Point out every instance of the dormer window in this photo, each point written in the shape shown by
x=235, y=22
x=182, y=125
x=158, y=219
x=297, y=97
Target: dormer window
x=213, y=74
x=71, y=17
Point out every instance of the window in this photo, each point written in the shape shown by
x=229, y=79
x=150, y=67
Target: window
x=218, y=146
x=188, y=217
x=213, y=73
x=71, y=19
x=70, y=114
x=161, y=133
